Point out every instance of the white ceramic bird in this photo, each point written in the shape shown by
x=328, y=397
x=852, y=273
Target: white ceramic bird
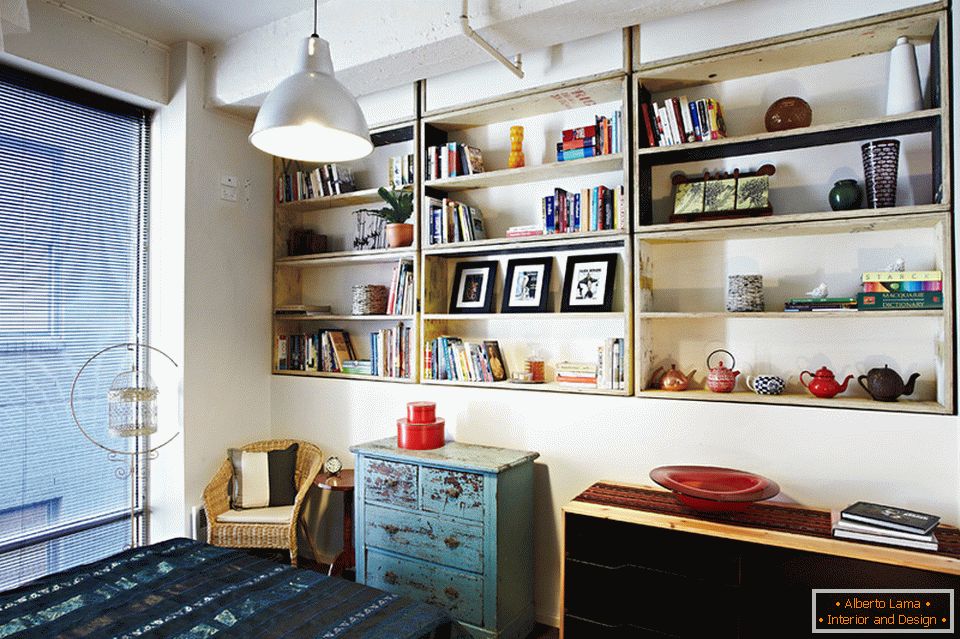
x=897, y=266
x=820, y=292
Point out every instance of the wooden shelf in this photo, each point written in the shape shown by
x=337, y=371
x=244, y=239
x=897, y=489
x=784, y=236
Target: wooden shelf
x=535, y=173
x=547, y=387
x=347, y=257
x=811, y=136
x=369, y=378
x=794, y=399
x=354, y=198
x=804, y=315
x=348, y=318
x=553, y=241
x=561, y=96
x=465, y=317
x=793, y=218
x=867, y=36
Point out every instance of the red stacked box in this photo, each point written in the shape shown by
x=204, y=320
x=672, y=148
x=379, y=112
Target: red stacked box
x=421, y=429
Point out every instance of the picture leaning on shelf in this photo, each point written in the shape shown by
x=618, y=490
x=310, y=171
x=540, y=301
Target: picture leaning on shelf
x=603, y=137
x=526, y=286
x=473, y=284
x=588, y=283
x=296, y=183
x=678, y=120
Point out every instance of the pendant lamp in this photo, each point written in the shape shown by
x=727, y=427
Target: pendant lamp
x=310, y=116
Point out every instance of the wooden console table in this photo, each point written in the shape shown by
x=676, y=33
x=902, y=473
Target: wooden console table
x=638, y=563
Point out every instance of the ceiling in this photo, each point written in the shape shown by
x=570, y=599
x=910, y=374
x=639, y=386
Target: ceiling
x=201, y=21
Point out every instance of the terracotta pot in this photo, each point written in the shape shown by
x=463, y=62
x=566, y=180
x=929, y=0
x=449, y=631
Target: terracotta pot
x=399, y=235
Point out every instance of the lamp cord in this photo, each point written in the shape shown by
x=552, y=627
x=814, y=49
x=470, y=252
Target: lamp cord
x=315, y=3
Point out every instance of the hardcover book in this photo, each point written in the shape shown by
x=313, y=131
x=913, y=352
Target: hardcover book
x=841, y=533
x=892, y=301
x=890, y=517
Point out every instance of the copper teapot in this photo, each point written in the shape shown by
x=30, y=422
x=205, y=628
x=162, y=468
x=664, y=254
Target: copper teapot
x=672, y=380
x=722, y=379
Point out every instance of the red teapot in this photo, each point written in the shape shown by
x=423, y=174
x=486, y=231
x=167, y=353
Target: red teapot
x=722, y=379
x=824, y=384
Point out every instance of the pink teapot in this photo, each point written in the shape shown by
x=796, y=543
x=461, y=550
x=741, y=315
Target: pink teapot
x=722, y=379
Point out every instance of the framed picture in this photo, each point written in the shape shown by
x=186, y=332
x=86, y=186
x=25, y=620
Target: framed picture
x=688, y=198
x=588, y=283
x=473, y=287
x=753, y=192
x=527, y=285
x=719, y=195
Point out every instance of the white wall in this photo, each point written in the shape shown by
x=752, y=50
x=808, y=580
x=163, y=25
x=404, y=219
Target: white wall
x=823, y=458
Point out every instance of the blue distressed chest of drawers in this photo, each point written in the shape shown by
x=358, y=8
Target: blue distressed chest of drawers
x=452, y=527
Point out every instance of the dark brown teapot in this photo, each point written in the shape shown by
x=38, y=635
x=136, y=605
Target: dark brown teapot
x=885, y=384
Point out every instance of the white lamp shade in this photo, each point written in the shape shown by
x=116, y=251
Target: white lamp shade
x=312, y=117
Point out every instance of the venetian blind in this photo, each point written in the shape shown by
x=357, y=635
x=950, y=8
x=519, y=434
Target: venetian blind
x=73, y=189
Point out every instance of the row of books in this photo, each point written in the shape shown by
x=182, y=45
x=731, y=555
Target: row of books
x=679, y=120
x=889, y=525
x=607, y=372
x=601, y=138
x=451, y=221
x=401, y=300
x=400, y=170
x=331, y=351
x=452, y=159
x=597, y=209
x=324, y=180
x=450, y=358
x=882, y=291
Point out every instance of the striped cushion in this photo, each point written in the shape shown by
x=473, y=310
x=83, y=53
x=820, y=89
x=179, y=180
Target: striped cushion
x=262, y=479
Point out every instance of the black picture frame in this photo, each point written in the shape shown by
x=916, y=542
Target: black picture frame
x=473, y=284
x=581, y=278
x=534, y=293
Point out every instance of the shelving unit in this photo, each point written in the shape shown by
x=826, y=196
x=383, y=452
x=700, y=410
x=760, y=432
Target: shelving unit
x=327, y=278
x=681, y=267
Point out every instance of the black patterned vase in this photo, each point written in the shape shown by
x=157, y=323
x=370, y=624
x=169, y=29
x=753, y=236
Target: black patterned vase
x=880, y=159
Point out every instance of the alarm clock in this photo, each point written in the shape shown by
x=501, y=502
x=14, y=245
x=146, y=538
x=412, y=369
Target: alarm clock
x=333, y=466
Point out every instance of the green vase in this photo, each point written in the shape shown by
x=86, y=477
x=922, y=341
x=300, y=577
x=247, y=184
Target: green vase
x=845, y=195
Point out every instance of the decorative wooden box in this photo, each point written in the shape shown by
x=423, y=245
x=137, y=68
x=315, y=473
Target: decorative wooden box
x=452, y=527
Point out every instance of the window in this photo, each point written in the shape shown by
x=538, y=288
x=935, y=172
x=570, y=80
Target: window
x=73, y=201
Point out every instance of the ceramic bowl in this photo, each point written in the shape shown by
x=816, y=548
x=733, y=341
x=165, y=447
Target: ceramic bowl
x=714, y=489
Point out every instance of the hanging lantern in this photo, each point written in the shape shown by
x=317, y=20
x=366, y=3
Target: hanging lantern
x=132, y=404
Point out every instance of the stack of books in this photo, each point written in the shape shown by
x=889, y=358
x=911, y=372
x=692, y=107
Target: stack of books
x=525, y=230
x=358, y=367
x=893, y=290
x=327, y=179
x=450, y=221
x=294, y=311
x=576, y=374
x=679, y=120
x=864, y=521
x=806, y=304
x=450, y=358
x=390, y=352
x=452, y=159
x=401, y=299
x=600, y=138
x=400, y=171
x=598, y=209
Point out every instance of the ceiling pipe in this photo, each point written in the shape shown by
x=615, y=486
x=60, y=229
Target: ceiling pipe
x=515, y=67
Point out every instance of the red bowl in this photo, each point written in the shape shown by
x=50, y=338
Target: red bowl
x=714, y=489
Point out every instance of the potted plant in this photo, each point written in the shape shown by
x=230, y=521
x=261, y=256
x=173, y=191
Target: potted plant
x=399, y=232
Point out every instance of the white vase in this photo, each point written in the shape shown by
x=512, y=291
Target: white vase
x=903, y=86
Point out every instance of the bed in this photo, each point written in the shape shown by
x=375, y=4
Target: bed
x=185, y=589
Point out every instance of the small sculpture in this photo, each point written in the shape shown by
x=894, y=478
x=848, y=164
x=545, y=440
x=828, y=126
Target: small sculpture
x=820, y=292
x=515, y=159
x=897, y=266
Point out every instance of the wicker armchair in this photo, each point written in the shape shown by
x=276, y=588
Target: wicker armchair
x=216, y=502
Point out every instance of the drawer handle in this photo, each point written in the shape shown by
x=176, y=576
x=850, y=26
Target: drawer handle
x=391, y=578
x=453, y=491
x=391, y=529
x=451, y=542
x=451, y=592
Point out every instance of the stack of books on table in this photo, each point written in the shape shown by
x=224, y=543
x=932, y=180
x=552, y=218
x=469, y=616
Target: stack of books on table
x=864, y=521
x=576, y=374
x=600, y=138
x=804, y=304
x=898, y=290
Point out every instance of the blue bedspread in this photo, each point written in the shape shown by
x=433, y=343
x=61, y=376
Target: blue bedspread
x=188, y=590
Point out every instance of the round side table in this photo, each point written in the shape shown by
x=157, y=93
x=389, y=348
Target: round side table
x=342, y=482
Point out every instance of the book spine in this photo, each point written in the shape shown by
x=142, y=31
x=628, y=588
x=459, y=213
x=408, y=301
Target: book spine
x=550, y=223
x=890, y=301
x=576, y=154
x=685, y=118
x=907, y=286
x=902, y=276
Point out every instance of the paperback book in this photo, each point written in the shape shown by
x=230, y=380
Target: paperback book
x=890, y=517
